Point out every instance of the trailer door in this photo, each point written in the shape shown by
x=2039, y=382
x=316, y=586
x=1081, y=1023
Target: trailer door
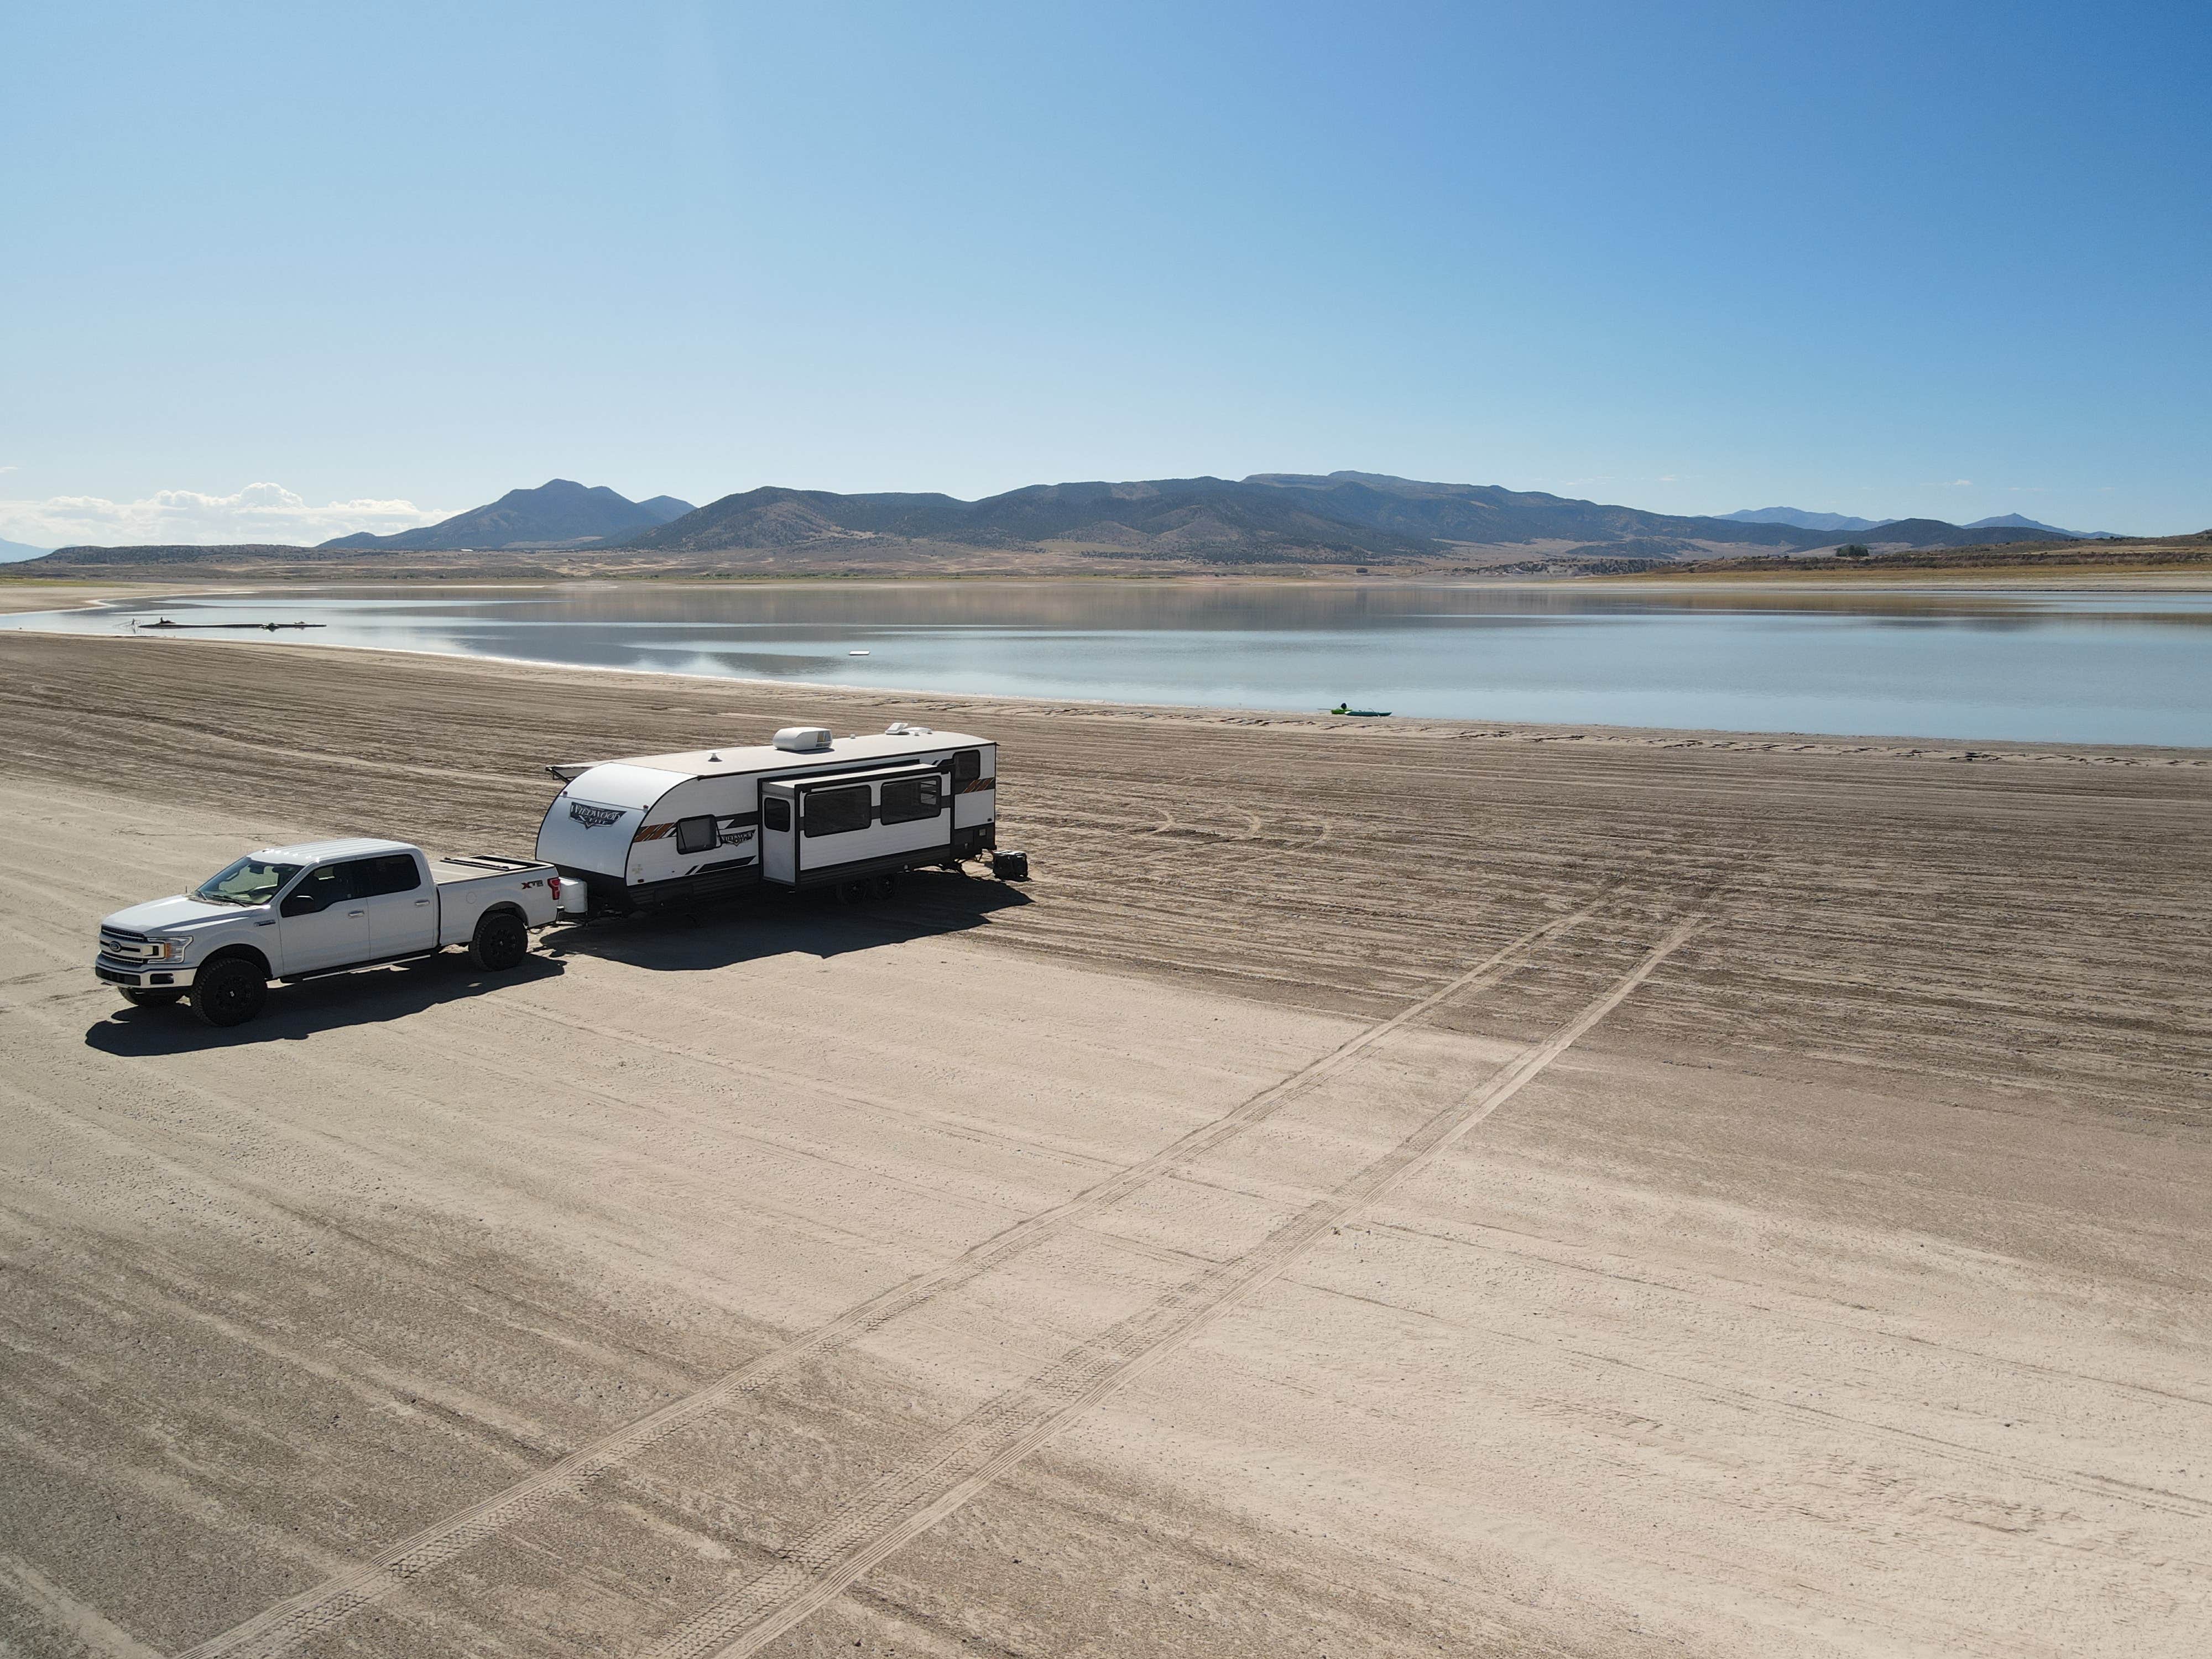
x=779, y=811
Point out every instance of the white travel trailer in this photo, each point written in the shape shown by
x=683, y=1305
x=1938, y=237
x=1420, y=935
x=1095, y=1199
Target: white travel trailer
x=806, y=810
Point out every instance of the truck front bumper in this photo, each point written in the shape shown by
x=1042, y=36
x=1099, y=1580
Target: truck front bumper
x=143, y=976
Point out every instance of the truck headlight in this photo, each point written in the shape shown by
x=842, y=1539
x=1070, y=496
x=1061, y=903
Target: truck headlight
x=168, y=950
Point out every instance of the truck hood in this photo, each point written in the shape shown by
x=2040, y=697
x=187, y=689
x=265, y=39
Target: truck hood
x=178, y=910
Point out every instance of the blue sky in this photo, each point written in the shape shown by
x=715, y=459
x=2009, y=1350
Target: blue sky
x=1883, y=259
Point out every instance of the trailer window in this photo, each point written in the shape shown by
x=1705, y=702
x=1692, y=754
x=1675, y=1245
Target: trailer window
x=776, y=813
x=967, y=765
x=697, y=835
x=833, y=811
x=906, y=799
x=395, y=872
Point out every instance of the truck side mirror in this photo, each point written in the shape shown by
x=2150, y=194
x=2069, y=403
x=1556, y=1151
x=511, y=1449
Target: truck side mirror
x=299, y=904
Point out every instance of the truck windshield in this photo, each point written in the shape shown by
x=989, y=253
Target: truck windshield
x=249, y=881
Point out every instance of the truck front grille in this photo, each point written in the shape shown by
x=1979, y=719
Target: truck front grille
x=125, y=947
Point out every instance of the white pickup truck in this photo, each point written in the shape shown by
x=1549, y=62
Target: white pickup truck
x=294, y=913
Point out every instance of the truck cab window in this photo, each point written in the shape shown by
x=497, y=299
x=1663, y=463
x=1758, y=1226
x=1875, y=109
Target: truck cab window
x=833, y=811
x=394, y=873
x=697, y=835
x=331, y=883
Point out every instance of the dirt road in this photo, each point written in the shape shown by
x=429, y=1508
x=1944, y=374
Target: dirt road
x=1398, y=1188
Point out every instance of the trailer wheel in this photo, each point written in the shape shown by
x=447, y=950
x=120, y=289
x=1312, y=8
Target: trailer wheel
x=151, y=998
x=228, y=992
x=501, y=942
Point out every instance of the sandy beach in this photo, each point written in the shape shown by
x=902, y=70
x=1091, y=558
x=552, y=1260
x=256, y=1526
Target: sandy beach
x=1382, y=1188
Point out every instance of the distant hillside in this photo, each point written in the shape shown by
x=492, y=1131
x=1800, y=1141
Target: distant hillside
x=2014, y=521
x=1206, y=518
x=2071, y=554
x=1269, y=518
x=557, y=513
x=11, y=551
x=1843, y=524
x=1934, y=532
x=1801, y=518
x=1486, y=514
x=187, y=553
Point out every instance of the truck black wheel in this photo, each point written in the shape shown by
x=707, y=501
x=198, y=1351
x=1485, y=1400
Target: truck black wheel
x=228, y=992
x=151, y=998
x=501, y=942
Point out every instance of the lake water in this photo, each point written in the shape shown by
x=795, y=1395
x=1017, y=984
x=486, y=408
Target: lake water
x=2077, y=667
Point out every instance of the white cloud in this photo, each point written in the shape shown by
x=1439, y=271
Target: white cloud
x=259, y=513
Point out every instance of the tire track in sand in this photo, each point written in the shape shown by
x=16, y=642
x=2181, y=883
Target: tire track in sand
x=283, y=1626
x=967, y=1458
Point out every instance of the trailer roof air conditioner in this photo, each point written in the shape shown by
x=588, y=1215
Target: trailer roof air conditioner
x=800, y=739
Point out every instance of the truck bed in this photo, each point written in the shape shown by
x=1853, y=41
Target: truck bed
x=468, y=886
x=478, y=866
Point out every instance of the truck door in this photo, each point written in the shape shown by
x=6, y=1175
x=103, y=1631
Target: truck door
x=403, y=908
x=319, y=924
x=779, y=833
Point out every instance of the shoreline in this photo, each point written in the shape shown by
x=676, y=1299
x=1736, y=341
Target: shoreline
x=1971, y=747
x=1902, y=745
x=2147, y=578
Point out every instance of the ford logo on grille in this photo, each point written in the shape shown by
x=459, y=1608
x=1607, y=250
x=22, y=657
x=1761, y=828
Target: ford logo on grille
x=593, y=817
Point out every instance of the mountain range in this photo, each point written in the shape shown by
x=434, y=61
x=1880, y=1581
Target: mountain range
x=558, y=513
x=1269, y=519
x=11, y=552
x=1845, y=524
x=1273, y=517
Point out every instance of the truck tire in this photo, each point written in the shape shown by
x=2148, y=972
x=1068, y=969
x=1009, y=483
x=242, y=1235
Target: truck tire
x=228, y=992
x=501, y=941
x=151, y=998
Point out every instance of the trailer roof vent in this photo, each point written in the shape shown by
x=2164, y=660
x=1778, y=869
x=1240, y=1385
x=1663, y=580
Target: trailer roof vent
x=802, y=739
x=902, y=729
